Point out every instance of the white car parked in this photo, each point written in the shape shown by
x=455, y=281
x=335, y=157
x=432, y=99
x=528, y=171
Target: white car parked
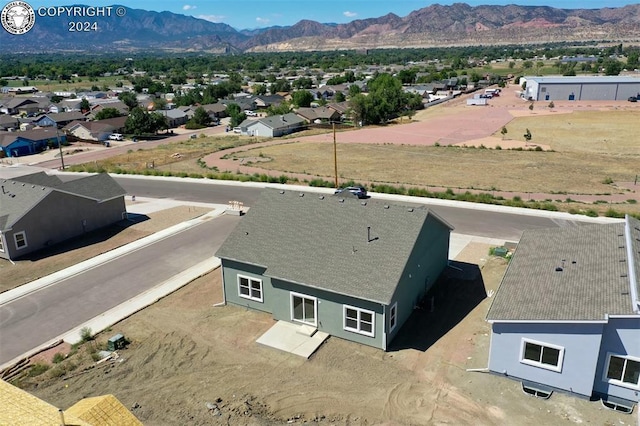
x=116, y=137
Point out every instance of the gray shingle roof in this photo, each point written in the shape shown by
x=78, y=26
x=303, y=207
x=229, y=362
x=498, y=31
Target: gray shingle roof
x=279, y=121
x=16, y=198
x=595, y=280
x=321, y=242
x=21, y=194
x=100, y=187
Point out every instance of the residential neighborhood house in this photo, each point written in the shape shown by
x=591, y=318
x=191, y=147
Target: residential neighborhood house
x=39, y=210
x=273, y=125
x=18, y=144
x=95, y=130
x=352, y=268
x=319, y=114
x=567, y=314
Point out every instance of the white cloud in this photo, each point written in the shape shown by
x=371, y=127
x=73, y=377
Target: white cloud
x=350, y=14
x=260, y=20
x=212, y=18
x=188, y=7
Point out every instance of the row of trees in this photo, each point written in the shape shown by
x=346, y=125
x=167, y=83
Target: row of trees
x=179, y=68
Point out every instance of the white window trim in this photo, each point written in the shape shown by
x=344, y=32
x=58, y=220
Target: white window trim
x=249, y=296
x=315, y=308
x=24, y=236
x=393, y=314
x=616, y=381
x=357, y=330
x=557, y=368
x=1, y=243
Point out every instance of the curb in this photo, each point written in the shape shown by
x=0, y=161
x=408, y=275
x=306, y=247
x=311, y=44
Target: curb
x=49, y=280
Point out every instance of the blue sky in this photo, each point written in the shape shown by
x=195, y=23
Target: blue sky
x=249, y=14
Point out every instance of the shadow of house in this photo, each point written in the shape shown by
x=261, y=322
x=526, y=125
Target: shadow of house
x=85, y=240
x=38, y=210
x=458, y=291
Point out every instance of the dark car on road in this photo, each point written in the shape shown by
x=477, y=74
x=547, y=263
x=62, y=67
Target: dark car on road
x=358, y=191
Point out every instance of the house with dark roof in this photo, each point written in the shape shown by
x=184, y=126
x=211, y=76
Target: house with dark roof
x=60, y=119
x=20, y=105
x=319, y=114
x=351, y=268
x=95, y=130
x=39, y=210
x=273, y=125
x=8, y=122
x=567, y=315
x=28, y=142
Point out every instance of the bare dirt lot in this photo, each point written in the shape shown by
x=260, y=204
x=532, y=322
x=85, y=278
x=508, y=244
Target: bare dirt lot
x=192, y=363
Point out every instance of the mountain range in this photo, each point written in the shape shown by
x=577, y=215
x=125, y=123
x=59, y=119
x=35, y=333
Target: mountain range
x=432, y=26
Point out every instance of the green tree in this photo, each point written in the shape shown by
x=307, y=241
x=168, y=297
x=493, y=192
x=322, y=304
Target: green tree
x=354, y=90
x=527, y=136
x=339, y=97
x=141, y=122
x=612, y=67
x=199, y=120
x=3, y=82
x=105, y=113
x=260, y=89
x=281, y=109
x=503, y=132
x=302, y=98
x=236, y=114
x=85, y=105
x=129, y=99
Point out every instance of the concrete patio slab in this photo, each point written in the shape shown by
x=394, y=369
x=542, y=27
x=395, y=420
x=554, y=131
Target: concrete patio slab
x=293, y=338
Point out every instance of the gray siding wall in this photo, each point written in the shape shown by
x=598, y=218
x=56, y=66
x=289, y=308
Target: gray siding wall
x=558, y=92
x=581, y=343
x=231, y=270
x=425, y=264
x=621, y=337
x=60, y=217
x=277, y=302
x=330, y=311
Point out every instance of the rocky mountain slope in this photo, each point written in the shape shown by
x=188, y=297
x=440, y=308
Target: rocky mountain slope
x=435, y=25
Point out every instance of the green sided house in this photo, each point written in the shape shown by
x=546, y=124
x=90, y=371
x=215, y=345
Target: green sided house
x=351, y=268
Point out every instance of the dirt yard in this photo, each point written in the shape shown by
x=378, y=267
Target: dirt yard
x=192, y=363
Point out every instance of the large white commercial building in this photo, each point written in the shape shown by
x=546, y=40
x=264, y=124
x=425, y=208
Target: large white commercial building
x=589, y=88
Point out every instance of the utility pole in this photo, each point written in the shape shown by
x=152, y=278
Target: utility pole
x=60, y=147
x=335, y=154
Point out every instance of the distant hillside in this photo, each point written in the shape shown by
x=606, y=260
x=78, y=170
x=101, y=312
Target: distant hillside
x=435, y=25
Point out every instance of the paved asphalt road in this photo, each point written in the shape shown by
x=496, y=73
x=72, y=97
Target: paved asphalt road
x=41, y=316
x=466, y=220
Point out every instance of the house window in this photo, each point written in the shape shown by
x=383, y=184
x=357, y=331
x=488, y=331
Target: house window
x=542, y=355
x=21, y=239
x=623, y=370
x=393, y=316
x=359, y=320
x=1, y=244
x=250, y=288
